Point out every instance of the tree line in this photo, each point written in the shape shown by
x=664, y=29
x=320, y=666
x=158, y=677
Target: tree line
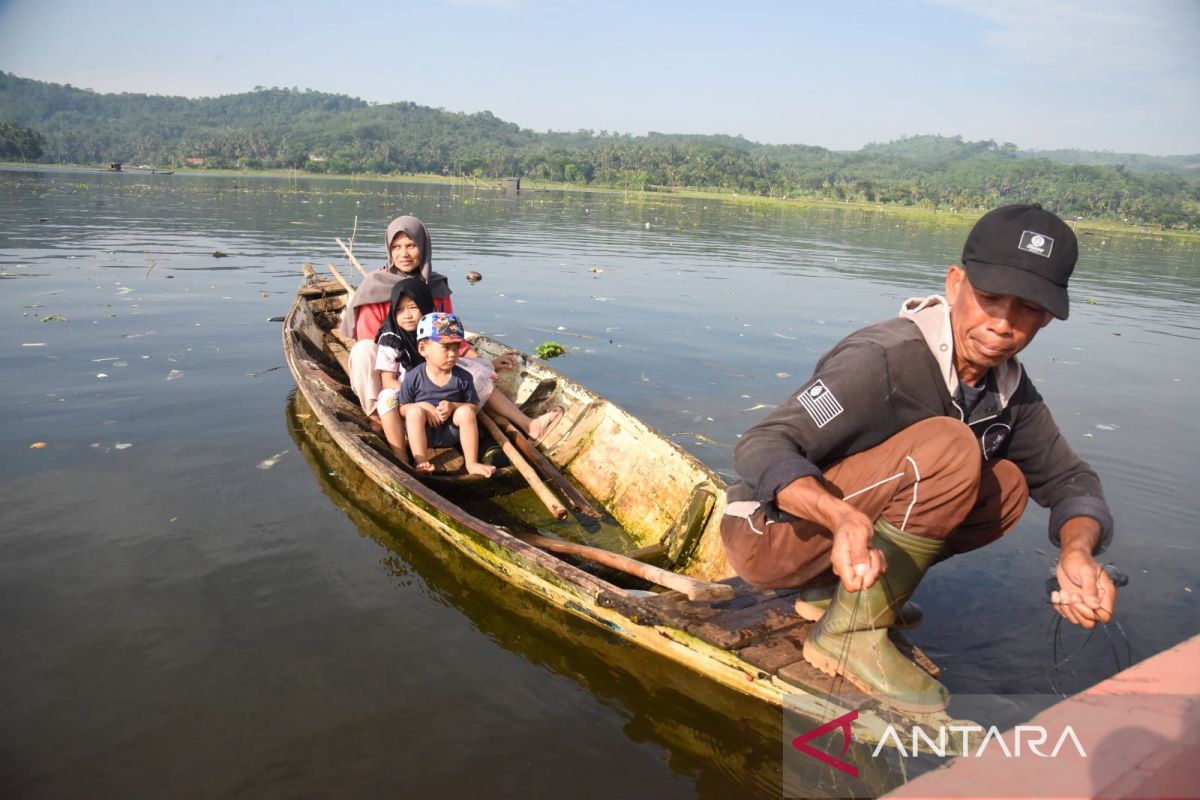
x=289, y=128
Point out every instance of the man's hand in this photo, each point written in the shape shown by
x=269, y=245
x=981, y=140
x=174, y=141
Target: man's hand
x=853, y=559
x=1085, y=595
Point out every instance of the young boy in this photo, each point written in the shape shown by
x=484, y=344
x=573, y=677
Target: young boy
x=439, y=397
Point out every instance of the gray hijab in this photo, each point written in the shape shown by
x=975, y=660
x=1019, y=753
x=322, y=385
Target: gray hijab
x=377, y=286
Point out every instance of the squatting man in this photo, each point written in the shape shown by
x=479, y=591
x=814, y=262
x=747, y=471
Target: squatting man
x=917, y=439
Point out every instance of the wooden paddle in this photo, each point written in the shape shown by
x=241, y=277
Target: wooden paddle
x=546, y=467
x=690, y=587
x=527, y=472
x=350, y=256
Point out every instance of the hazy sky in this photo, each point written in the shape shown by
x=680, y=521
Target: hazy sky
x=1092, y=74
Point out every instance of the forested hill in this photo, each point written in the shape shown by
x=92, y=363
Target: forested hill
x=327, y=133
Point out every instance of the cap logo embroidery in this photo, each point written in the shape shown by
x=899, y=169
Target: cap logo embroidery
x=1037, y=243
x=820, y=403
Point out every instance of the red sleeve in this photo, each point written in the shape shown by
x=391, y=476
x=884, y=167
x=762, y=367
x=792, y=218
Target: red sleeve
x=368, y=318
x=441, y=304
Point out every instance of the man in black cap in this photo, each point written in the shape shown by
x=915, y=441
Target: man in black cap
x=916, y=439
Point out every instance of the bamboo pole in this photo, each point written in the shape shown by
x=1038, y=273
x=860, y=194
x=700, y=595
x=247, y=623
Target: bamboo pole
x=690, y=587
x=544, y=465
x=527, y=472
x=350, y=256
x=345, y=284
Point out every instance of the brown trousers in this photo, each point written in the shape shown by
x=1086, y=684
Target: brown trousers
x=928, y=480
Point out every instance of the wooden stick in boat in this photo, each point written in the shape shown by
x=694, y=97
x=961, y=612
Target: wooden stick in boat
x=350, y=256
x=527, y=472
x=546, y=467
x=690, y=587
x=345, y=284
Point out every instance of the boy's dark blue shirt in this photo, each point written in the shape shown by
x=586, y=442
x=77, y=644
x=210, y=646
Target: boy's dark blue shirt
x=418, y=388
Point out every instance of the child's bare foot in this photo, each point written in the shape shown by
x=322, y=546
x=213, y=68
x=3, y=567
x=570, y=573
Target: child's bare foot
x=482, y=470
x=422, y=465
x=542, y=425
x=401, y=455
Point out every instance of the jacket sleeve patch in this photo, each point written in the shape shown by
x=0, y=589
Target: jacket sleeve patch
x=820, y=403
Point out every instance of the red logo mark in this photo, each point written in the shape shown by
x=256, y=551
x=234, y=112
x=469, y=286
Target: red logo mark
x=843, y=722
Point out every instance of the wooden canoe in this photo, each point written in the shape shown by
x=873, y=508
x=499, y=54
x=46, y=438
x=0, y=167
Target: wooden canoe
x=659, y=505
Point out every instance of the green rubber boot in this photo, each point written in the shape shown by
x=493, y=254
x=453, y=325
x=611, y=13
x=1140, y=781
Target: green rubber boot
x=853, y=642
x=813, y=600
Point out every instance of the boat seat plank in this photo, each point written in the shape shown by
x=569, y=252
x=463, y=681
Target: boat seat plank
x=730, y=630
x=776, y=651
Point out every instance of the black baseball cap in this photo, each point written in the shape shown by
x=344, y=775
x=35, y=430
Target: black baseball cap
x=1024, y=251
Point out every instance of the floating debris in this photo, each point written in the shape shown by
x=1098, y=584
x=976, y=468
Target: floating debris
x=101, y=374
x=474, y=277
x=548, y=350
x=267, y=463
x=175, y=373
x=37, y=445
x=43, y=344
x=219, y=254
x=1107, y=427
x=125, y=290
x=122, y=445
x=782, y=375
x=263, y=371
x=54, y=318
x=756, y=407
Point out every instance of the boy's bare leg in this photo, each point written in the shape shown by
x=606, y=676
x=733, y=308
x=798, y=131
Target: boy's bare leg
x=468, y=437
x=415, y=421
x=393, y=431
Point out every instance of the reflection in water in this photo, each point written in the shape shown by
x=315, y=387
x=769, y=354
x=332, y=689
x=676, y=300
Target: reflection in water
x=725, y=741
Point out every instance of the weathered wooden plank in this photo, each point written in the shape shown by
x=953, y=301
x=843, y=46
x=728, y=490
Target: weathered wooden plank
x=774, y=652
x=674, y=610
x=733, y=629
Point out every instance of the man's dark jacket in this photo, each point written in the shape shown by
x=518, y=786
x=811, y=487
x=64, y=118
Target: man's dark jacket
x=880, y=380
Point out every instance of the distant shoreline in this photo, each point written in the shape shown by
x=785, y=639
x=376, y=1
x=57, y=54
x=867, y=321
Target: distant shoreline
x=939, y=216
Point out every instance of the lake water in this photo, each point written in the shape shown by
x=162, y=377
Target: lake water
x=200, y=602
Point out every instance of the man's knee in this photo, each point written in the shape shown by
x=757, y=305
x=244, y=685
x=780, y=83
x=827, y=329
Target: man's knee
x=942, y=445
x=1007, y=482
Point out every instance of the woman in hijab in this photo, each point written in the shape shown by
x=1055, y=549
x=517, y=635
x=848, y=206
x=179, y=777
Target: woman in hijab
x=410, y=255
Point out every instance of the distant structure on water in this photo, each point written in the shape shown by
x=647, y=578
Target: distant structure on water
x=511, y=184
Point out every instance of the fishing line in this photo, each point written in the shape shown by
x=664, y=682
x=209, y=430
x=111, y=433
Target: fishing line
x=1056, y=624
